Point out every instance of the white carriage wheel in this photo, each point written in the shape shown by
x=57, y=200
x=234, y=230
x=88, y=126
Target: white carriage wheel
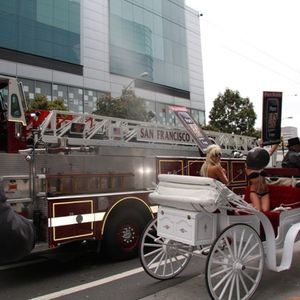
x=162, y=258
x=235, y=263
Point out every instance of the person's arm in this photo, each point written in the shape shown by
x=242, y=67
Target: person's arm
x=273, y=149
x=221, y=175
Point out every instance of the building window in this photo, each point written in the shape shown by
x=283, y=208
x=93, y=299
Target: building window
x=161, y=113
x=170, y=116
x=150, y=107
x=43, y=89
x=29, y=89
x=45, y=28
x=150, y=36
x=198, y=116
x=60, y=92
x=75, y=97
x=90, y=100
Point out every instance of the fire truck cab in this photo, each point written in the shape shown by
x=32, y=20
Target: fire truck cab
x=12, y=114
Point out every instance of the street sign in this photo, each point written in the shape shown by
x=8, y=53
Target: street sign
x=201, y=139
x=271, y=130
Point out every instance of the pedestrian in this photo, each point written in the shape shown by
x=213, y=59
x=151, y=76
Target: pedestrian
x=17, y=234
x=292, y=157
x=212, y=165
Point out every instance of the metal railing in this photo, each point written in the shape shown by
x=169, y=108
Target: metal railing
x=88, y=129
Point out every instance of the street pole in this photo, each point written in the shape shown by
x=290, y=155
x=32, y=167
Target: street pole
x=144, y=74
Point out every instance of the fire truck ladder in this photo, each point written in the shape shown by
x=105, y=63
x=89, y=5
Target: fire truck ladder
x=75, y=129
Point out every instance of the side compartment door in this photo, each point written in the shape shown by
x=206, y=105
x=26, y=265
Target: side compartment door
x=70, y=219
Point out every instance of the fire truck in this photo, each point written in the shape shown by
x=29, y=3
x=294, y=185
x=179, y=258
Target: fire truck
x=86, y=177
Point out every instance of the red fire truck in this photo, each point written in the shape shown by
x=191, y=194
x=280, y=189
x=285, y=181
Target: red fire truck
x=87, y=177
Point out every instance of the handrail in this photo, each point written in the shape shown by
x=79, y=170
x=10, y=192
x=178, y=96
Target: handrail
x=103, y=130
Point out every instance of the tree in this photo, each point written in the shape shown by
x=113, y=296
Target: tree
x=127, y=106
x=41, y=102
x=232, y=114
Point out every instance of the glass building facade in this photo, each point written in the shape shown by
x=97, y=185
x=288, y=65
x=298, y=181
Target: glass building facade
x=47, y=28
x=149, y=36
x=76, y=99
x=79, y=46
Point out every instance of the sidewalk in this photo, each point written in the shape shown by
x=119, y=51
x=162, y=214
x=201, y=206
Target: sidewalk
x=276, y=286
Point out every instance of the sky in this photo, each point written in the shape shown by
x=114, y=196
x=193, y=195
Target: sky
x=251, y=46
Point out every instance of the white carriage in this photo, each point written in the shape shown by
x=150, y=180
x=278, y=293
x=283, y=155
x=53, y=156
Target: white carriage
x=201, y=216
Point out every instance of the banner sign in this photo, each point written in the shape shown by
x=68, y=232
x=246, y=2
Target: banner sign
x=271, y=129
x=162, y=135
x=192, y=127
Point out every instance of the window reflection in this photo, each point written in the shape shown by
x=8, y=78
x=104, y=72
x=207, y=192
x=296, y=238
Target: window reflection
x=149, y=36
x=15, y=109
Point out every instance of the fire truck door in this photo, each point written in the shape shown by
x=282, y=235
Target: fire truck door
x=70, y=219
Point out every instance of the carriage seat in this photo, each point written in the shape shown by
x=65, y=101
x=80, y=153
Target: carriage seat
x=192, y=193
x=280, y=197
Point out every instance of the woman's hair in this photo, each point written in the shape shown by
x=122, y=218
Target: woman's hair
x=212, y=151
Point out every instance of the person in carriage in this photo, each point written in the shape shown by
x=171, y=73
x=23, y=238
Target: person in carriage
x=257, y=159
x=292, y=157
x=212, y=166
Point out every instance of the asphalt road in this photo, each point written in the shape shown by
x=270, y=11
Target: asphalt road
x=84, y=275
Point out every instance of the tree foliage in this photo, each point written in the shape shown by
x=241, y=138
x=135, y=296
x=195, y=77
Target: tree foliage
x=127, y=106
x=232, y=114
x=41, y=102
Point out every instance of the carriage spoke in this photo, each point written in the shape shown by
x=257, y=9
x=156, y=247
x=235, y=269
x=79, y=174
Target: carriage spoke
x=221, y=263
x=248, y=276
x=234, y=244
x=241, y=243
x=250, y=251
x=220, y=272
x=149, y=235
x=243, y=283
x=237, y=284
x=228, y=247
x=153, y=245
x=160, y=261
x=153, y=252
x=226, y=285
x=246, y=245
x=159, y=255
x=222, y=252
x=231, y=287
x=222, y=280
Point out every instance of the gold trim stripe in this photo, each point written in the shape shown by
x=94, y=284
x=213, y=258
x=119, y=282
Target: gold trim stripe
x=154, y=209
x=73, y=236
x=71, y=220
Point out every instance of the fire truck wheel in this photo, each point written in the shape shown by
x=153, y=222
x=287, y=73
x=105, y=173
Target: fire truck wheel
x=122, y=234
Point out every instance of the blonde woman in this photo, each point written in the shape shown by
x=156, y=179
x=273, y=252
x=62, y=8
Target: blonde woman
x=212, y=166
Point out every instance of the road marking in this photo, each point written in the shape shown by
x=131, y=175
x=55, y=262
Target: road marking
x=88, y=285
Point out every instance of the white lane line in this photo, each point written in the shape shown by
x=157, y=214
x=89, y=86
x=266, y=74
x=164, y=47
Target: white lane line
x=88, y=285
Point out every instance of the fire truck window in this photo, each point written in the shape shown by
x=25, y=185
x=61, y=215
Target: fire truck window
x=15, y=109
x=2, y=108
x=3, y=100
